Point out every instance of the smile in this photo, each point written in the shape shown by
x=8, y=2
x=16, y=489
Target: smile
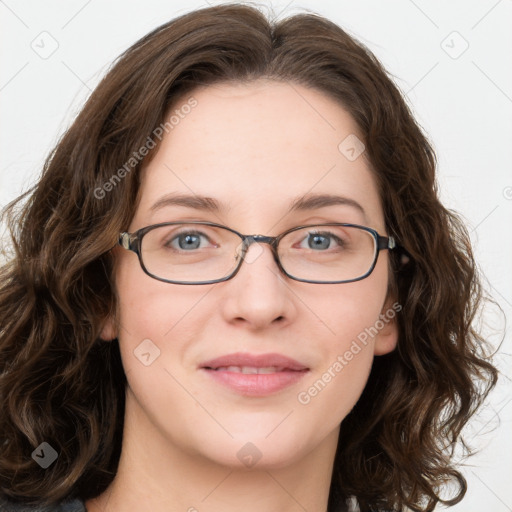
x=250, y=369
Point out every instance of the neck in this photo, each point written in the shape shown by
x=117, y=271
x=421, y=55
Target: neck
x=157, y=474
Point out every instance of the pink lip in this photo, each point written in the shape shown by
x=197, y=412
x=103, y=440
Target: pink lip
x=255, y=384
x=255, y=360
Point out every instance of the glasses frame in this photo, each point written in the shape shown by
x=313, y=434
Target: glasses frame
x=133, y=242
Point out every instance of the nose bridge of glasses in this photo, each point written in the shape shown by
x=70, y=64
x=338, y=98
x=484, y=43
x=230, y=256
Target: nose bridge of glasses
x=261, y=239
x=248, y=240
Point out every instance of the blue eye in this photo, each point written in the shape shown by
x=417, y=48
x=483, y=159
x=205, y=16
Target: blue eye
x=323, y=240
x=187, y=240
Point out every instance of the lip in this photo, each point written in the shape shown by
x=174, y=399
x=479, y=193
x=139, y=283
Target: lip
x=291, y=371
x=255, y=360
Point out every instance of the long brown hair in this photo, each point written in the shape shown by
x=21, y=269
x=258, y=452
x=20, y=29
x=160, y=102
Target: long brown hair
x=60, y=383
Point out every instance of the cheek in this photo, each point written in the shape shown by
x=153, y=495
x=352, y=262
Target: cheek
x=350, y=322
x=155, y=329
x=350, y=312
x=338, y=382
x=148, y=307
x=153, y=322
x=334, y=388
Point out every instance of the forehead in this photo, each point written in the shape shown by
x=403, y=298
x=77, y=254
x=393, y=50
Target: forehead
x=256, y=148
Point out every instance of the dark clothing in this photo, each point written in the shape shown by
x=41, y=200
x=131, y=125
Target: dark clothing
x=65, y=506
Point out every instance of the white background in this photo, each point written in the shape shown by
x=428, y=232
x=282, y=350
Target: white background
x=464, y=104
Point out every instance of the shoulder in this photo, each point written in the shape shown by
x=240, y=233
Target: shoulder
x=64, y=506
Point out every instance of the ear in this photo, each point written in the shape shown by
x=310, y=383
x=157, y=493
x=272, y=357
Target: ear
x=108, y=331
x=387, y=337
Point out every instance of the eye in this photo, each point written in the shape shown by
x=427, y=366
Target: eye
x=187, y=240
x=322, y=240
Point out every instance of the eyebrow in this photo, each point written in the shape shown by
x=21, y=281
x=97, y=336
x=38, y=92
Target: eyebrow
x=304, y=203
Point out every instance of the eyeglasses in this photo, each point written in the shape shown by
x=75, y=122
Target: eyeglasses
x=205, y=253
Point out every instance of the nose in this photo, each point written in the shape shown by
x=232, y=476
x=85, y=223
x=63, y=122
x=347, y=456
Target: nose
x=259, y=295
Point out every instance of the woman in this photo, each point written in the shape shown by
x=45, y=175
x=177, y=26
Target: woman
x=235, y=287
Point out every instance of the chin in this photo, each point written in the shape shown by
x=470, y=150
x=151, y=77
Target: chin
x=256, y=452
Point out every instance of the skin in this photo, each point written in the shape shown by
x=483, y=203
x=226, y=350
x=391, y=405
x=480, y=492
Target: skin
x=254, y=148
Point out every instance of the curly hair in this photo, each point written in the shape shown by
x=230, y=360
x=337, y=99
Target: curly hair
x=59, y=382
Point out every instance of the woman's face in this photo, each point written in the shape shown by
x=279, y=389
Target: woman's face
x=254, y=149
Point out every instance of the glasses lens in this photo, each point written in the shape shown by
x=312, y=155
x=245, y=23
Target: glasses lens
x=189, y=252
x=328, y=253
x=197, y=252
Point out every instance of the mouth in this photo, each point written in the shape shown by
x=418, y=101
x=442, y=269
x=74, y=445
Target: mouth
x=250, y=370
x=255, y=375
